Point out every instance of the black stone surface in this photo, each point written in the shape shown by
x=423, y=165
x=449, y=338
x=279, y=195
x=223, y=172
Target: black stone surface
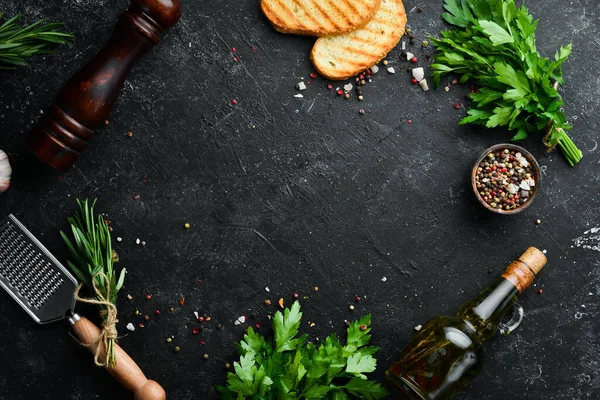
x=290, y=194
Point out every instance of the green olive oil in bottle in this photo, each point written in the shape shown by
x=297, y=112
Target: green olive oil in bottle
x=447, y=351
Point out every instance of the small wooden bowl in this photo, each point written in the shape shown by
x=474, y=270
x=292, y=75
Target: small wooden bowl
x=537, y=176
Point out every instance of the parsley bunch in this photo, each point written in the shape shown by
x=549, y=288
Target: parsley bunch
x=290, y=368
x=494, y=46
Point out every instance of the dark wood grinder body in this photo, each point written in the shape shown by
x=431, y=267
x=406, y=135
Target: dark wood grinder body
x=88, y=97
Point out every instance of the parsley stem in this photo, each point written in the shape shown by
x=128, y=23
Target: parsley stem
x=569, y=149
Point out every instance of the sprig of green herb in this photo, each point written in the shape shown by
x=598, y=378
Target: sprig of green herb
x=494, y=46
x=93, y=264
x=290, y=368
x=19, y=43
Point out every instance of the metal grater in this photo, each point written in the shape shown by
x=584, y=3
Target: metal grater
x=33, y=277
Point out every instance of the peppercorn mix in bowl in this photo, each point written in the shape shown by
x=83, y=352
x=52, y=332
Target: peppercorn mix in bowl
x=506, y=178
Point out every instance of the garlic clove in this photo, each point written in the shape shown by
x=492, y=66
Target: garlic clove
x=5, y=172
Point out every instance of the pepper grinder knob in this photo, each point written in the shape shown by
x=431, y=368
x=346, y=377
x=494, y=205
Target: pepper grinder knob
x=88, y=97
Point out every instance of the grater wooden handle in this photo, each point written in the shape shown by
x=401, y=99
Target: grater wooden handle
x=127, y=372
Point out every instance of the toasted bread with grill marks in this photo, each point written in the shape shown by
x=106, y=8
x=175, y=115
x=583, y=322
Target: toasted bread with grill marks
x=342, y=56
x=319, y=17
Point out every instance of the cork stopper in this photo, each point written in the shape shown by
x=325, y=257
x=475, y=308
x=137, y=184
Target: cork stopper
x=534, y=259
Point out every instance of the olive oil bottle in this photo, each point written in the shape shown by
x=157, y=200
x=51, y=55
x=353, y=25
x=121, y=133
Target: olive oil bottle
x=447, y=351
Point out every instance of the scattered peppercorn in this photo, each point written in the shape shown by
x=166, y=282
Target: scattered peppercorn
x=257, y=325
x=420, y=9
x=187, y=225
x=106, y=122
x=361, y=111
x=385, y=62
x=361, y=98
x=205, y=356
x=171, y=309
x=424, y=43
x=538, y=221
x=234, y=102
x=351, y=308
x=414, y=60
x=169, y=340
x=227, y=365
x=329, y=87
x=408, y=31
x=316, y=287
x=347, y=96
x=539, y=291
x=148, y=296
x=130, y=134
x=414, y=81
x=201, y=319
x=411, y=37
x=296, y=295
x=280, y=302
x=313, y=75
x=457, y=105
x=357, y=299
x=207, y=318
x=340, y=92
x=202, y=342
x=347, y=323
x=141, y=325
x=177, y=349
x=267, y=302
x=156, y=312
x=146, y=318
x=219, y=326
x=143, y=244
x=195, y=331
x=182, y=301
x=489, y=271
x=137, y=312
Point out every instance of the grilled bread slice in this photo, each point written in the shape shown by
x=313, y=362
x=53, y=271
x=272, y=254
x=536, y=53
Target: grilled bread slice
x=319, y=17
x=342, y=56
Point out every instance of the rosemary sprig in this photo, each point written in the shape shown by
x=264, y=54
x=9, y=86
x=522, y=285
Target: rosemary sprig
x=93, y=264
x=19, y=43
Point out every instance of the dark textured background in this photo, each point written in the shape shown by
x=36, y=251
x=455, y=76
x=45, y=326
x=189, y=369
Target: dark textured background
x=314, y=195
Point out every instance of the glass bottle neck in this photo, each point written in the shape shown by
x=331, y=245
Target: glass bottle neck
x=486, y=311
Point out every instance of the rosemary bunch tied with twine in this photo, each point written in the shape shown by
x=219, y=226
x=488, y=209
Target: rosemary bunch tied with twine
x=93, y=265
x=19, y=43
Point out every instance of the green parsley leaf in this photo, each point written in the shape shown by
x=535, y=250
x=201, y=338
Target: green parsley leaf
x=458, y=13
x=285, y=327
x=366, y=389
x=496, y=33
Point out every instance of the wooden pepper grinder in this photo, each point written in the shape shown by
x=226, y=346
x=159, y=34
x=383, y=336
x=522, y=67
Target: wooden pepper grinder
x=88, y=97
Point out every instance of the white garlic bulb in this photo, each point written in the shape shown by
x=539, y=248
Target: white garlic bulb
x=5, y=172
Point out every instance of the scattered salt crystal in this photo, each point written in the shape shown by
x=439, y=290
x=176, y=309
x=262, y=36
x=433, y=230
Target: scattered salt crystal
x=119, y=239
x=409, y=55
x=403, y=45
x=424, y=85
x=129, y=297
x=524, y=185
x=190, y=45
x=348, y=87
x=196, y=314
x=544, y=251
x=374, y=69
x=267, y=289
x=418, y=327
x=301, y=86
x=130, y=327
x=298, y=96
x=418, y=73
x=391, y=70
x=240, y=320
x=137, y=241
x=383, y=279
x=512, y=188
